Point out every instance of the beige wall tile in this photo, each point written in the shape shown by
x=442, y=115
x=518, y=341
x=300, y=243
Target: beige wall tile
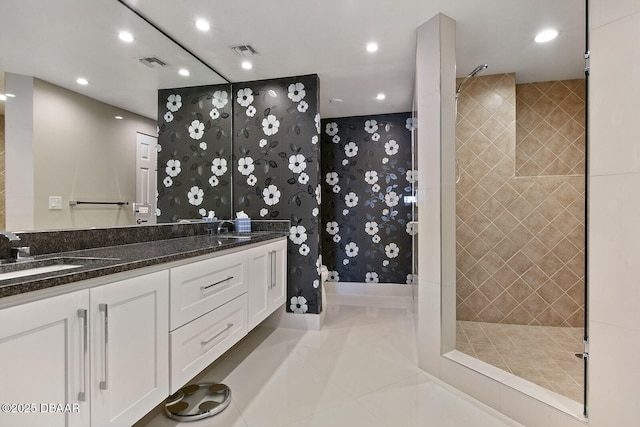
x=520, y=217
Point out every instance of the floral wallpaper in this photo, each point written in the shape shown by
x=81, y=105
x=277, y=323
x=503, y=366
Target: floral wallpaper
x=366, y=224
x=276, y=127
x=194, y=158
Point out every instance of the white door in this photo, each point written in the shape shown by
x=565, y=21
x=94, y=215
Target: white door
x=44, y=362
x=146, y=173
x=129, y=348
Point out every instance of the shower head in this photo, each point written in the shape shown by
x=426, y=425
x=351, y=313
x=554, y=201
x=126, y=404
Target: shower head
x=475, y=72
x=478, y=70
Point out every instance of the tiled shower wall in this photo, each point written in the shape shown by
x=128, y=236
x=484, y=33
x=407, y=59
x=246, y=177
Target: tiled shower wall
x=520, y=239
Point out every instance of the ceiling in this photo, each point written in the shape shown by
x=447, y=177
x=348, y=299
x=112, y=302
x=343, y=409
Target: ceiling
x=59, y=41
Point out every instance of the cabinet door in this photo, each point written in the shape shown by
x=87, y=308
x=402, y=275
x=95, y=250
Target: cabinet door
x=266, y=280
x=43, y=362
x=129, y=348
x=258, y=284
x=278, y=289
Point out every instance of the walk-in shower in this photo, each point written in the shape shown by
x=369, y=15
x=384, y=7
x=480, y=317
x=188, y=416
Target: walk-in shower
x=520, y=226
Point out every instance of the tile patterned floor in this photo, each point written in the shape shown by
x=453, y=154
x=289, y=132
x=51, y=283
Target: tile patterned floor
x=359, y=370
x=544, y=355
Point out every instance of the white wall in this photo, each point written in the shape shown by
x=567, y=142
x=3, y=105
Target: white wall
x=614, y=213
x=19, y=152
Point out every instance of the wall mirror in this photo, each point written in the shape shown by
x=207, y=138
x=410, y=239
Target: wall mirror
x=58, y=42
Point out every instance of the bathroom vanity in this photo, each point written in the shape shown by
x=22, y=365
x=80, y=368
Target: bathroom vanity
x=104, y=342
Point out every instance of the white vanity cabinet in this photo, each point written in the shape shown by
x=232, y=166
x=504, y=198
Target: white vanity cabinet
x=208, y=312
x=95, y=357
x=43, y=361
x=109, y=353
x=266, y=280
x=129, y=348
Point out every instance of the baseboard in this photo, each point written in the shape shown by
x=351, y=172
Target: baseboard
x=389, y=295
x=283, y=319
x=372, y=289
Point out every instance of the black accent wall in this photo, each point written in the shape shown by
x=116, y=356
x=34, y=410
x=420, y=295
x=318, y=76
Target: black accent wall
x=366, y=172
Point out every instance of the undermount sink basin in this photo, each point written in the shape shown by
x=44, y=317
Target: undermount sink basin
x=36, y=270
x=231, y=237
x=26, y=268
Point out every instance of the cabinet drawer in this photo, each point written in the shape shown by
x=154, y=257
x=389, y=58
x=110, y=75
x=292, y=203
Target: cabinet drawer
x=198, y=343
x=198, y=288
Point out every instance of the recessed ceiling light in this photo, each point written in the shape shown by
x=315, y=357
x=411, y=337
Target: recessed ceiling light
x=372, y=47
x=3, y=97
x=381, y=96
x=125, y=36
x=119, y=117
x=183, y=72
x=546, y=35
x=247, y=65
x=202, y=25
x=10, y=95
x=82, y=81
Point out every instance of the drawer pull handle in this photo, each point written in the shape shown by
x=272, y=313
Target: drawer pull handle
x=229, y=326
x=274, y=254
x=82, y=314
x=105, y=308
x=217, y=283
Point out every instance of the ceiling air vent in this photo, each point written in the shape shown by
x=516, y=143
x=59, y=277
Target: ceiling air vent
x=153, y=62
x=244, y=50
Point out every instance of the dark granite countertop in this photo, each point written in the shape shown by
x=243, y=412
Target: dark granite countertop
x=103, y=261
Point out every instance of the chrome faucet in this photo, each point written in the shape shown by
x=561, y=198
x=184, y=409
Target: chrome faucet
x=22, y=253
x=221, y=226
x=10, y=236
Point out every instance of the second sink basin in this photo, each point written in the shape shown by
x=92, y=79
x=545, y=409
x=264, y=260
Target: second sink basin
x=36, y=270
x=26, y=268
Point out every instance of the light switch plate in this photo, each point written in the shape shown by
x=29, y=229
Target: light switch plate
x=55, y=202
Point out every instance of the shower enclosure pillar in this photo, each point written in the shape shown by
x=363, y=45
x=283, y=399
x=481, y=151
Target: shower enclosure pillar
x=435, y=97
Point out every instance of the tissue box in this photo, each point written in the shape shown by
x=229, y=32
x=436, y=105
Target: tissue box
x=243, y=225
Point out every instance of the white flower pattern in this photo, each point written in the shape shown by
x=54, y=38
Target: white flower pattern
x=196, y=129
x=220, y=98
x=245, y=97
x=245, y=166
x=219, y=166
x=173, y=168
x=195, y=195
x=297, y=163
x=270, y=125
x=174, y=102
x=298, y=234
x=299, y=305
x=271, y=195
x=296, y=92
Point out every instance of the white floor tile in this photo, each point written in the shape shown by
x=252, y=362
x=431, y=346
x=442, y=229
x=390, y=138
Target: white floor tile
x=360, y=370
x=230, y=417
x=419, y=402
x=348, y=414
